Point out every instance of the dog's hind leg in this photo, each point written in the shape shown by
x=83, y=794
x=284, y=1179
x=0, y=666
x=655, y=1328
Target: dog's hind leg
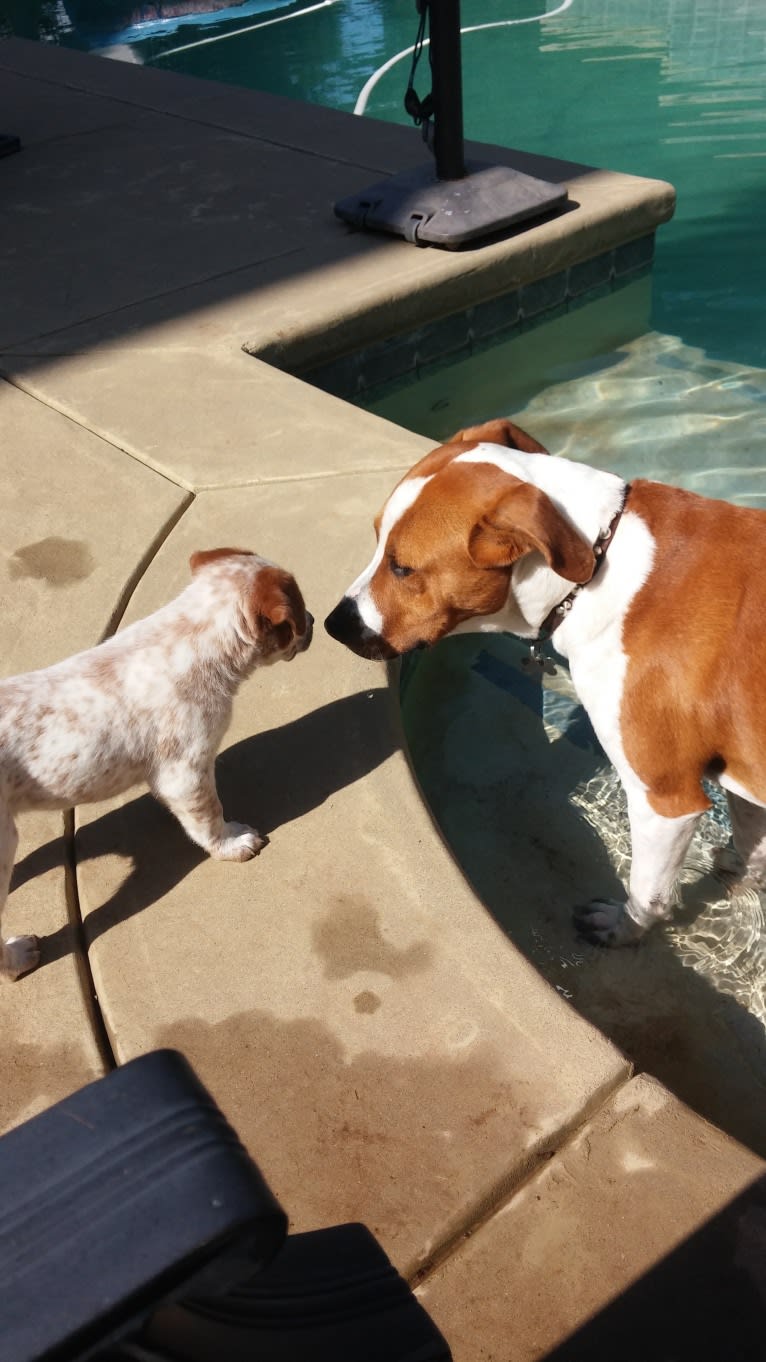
x=748, y=825
x=190, y=793
x=19, y=953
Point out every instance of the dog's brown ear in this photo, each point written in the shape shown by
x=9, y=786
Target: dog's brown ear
x=275, y=602
x=202, y=557
x=523, y=520
x=499, y=432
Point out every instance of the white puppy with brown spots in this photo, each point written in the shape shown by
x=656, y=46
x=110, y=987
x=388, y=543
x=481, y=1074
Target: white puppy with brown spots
x=149, y=704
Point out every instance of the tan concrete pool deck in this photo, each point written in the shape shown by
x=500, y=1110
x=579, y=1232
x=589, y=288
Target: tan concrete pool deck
x=384, y=1051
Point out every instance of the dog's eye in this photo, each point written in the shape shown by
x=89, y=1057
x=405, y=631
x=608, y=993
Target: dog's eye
x=400, y=571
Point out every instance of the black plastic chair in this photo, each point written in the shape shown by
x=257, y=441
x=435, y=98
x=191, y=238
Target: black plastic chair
x=134, y=1225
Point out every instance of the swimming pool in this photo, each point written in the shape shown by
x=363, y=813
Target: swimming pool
x=673, y=89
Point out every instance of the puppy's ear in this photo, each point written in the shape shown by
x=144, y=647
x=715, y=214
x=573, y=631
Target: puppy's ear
x=274, y=603
x=523, y=520
x=500, y=432
x=202, y=557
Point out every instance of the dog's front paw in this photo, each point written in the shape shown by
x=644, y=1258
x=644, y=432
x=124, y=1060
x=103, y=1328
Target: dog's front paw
x=20, y=954
x=605, y=922
x=238, y=843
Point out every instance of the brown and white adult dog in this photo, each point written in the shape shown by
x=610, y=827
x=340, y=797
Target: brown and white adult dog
x=149, y=704
x=657, y=601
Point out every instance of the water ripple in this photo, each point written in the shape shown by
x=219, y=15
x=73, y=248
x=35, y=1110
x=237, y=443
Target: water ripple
x=718, y=927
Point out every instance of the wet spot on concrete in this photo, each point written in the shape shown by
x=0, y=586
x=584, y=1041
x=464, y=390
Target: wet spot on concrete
x=59, y=562
x=350, y=941
x=367, y=1002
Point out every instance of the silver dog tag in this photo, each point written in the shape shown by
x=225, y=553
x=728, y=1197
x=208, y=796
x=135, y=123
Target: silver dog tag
x=537, y=663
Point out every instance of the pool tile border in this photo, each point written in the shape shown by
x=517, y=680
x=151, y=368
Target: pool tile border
x=391, y=364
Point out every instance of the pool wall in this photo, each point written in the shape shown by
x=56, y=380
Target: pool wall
x=373, y=370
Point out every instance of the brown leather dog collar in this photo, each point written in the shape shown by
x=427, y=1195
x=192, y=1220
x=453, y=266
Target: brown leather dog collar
x=559, y=612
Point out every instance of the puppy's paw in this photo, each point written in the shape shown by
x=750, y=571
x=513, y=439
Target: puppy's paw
x=605, y=922
x=238, y=843
x=20, y=954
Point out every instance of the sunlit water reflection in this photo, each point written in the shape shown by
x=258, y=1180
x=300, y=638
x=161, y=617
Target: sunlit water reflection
x=724, y=941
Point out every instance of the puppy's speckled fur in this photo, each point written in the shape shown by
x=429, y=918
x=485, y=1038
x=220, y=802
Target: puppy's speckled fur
x=150, y=704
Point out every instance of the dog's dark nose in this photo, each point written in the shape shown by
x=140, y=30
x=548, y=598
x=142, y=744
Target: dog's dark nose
x=344, y=623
